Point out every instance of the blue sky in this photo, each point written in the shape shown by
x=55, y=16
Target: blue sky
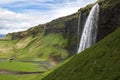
x=17, y=15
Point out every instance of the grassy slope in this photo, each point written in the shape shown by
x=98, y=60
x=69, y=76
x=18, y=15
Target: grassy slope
x=6, y=48
x=42, y=47
x=100, y=62
x=9, y=48
x=34, y=48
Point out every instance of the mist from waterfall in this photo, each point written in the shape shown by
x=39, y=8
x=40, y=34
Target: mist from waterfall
x=89, y=33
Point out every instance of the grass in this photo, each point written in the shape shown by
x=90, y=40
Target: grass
x=20, y=66
x=100, y=62
x=40, y=48
x=34, y=48
x=6, y=48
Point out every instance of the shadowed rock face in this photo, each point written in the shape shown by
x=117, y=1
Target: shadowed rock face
x=109, y=20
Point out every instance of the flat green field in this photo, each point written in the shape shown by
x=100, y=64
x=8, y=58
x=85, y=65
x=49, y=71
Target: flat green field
x=20, y=66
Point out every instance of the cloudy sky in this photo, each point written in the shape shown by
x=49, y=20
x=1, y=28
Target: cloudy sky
x=17, y=15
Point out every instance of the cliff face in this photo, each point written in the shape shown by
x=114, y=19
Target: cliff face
x=109, y=19
x=68, y=26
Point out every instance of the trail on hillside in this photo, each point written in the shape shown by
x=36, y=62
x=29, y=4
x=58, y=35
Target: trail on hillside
x=2, y=71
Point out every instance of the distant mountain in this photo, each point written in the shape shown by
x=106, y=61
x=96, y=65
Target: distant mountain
x=2, y=35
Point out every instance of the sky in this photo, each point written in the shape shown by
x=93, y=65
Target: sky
x=18, y=15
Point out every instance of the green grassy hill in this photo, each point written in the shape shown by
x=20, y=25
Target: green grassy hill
x=43, y=48
x=100, y=62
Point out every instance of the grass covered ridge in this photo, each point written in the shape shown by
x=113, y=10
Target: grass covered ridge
x=100, y=62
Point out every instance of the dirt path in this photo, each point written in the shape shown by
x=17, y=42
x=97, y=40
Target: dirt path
x=17, y=72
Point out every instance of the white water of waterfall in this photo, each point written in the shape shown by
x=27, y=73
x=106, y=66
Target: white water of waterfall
x=89, y=33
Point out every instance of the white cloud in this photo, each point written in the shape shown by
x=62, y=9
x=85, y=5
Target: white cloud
x=11, y=21
x=18, y=21
x=13, y=1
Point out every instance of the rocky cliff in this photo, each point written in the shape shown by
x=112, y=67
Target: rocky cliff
x=109, y=20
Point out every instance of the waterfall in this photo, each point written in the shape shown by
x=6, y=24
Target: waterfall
x=89, y=33
x=44, y=29
x=79, y=22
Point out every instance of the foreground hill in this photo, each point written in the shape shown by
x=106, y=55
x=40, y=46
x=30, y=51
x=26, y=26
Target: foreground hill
x=100, y=62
